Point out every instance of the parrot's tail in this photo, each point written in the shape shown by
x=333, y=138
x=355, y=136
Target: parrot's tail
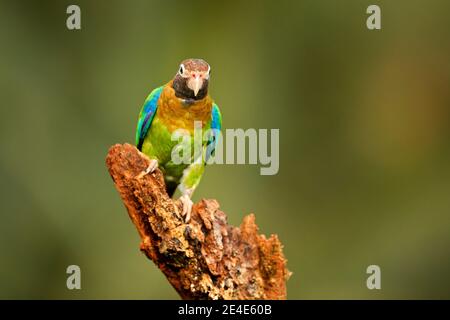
x=171, y=187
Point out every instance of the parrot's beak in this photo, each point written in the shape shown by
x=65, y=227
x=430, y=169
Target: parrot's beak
x=195, y=84
x=198, y=82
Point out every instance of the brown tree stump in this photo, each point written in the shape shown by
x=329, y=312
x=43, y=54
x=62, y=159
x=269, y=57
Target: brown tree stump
x=205, y=258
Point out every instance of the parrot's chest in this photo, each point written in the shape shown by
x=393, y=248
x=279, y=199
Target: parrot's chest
x=167, y=137
x=175, y=123
x=177, y=114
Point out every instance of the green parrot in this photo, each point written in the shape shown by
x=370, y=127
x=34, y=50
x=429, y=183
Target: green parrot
x=179, y=104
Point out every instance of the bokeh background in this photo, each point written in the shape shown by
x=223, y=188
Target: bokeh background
x=364, y=119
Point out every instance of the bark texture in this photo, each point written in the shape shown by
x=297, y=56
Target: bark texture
x=205, y=258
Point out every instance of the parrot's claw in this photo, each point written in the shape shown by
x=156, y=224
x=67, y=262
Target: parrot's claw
x=187, y=207
x=151, y=167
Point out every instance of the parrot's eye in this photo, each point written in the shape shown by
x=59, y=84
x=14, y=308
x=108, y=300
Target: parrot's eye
x=181, y=71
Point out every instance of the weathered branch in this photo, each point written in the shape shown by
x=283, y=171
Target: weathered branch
x=205, y=258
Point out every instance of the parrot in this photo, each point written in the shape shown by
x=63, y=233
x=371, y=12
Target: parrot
x=178, y=105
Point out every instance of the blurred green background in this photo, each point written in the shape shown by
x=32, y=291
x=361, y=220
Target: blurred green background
x=364, y=119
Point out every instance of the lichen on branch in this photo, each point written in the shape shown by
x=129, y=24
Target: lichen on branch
x=206, y=258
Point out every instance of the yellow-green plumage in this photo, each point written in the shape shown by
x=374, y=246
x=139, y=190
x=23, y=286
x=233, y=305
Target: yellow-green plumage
x=163, y=113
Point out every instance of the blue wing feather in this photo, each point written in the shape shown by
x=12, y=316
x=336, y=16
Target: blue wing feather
x=216, y=125
x=146, y=116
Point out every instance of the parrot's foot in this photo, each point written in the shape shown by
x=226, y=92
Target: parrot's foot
x=151, y=167
x=187, y=207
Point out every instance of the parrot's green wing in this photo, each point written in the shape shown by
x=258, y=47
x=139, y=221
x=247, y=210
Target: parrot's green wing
x=146, y=116
x=216, y=126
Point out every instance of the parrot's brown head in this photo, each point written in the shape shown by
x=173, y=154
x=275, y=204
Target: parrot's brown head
x=191, y=80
